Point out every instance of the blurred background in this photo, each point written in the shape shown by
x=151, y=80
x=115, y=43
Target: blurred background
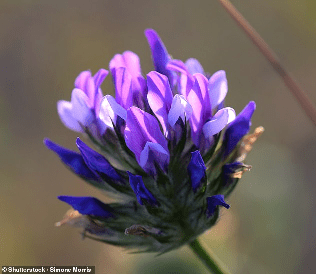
x=44, y=45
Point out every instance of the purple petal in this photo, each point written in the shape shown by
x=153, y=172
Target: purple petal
x=141, y=192
x=88, y=206
x=142, y=127
x=198, y=98
x=194, y=66
x=130, y=61
x=109, y=111
x=73, y=160
x=81, y=109
x=64, y=109
x=213, y=202
x=85, y=82
x=196, y=170
x=99, y=77
x=97, y=163
x=159, y=97
x=180, y=108
x=123, y=87
x=159, y=53
x=98, y=80
x=186, y=79
x=217, y=88
x=238, y=128
x=178, y=66
x=218, y=122
x=82, y=80
x=154, y=155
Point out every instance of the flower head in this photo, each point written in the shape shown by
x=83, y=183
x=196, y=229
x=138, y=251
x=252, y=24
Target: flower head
x=166, y=147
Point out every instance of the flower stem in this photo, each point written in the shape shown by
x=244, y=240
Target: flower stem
x=288, y=79
x=208, y=258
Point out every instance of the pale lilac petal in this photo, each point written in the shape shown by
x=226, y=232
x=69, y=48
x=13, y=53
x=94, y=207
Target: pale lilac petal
x=97, y=101
x=123, y=87
x=186, y=79
x=218, y=122
x=142, y=127
x=153, y=154
x=194, y=66
x=65, y=114
x=81, y=108
x=217, y=88
x=231, y=115
x=109, y=111
x=159, y=97
x=179, y=108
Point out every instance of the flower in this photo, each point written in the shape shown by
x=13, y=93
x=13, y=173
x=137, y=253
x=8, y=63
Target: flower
x=166, y=147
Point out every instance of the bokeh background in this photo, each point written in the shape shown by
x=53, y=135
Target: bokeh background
x=43, y=47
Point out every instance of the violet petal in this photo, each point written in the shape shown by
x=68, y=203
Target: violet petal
x=159, y=97
x=140, y=128
x=238, y=128
x=73, y=160
x=123, y=87
x=198, y=98
x=85, y=82
x=196, y=170
x=159, y=53
x=97, y=163
x=140, y=190
x=88, y=206
x=213, y=202
x=186, y=79
x=99, y=77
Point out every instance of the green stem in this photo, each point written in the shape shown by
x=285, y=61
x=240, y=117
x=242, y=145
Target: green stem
x=209, y=259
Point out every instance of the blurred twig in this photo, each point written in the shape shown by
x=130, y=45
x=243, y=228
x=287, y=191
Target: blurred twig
x=289, y=81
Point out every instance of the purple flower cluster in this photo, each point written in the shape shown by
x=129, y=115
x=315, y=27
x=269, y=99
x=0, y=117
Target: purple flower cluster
x=166, y=144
